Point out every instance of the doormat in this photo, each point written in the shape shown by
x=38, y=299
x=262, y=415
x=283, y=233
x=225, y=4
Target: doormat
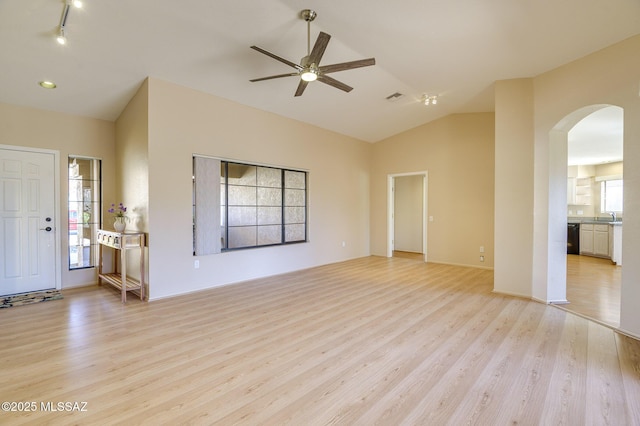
x=29, y=298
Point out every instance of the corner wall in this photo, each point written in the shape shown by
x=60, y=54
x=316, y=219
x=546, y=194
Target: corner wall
x=514, y=187
x=132, y=171
x=183, y=122
x=70, y=135
x=457, y=151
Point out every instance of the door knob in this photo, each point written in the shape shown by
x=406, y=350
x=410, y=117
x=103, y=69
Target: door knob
x=48, y=229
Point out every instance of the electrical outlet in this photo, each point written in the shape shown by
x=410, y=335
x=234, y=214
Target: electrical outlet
x=196, y=264
x=481, y=258
x=481, y=249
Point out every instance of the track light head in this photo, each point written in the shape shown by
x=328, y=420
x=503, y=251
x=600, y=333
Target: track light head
x=429, y=99
x=61, y=39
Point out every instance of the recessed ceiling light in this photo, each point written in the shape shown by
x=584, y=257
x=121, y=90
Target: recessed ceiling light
x=47, y=84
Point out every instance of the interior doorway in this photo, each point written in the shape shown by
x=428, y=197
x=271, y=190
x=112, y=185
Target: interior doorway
x=407, y=213
x=595, y=207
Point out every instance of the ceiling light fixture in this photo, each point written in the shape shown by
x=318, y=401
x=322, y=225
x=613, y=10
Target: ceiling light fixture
x=309, y=74
x=61, y=38
x=429, y=99
x=47, y=84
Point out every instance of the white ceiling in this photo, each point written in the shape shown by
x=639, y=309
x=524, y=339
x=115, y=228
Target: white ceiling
x=455, y=49
x=597, y=138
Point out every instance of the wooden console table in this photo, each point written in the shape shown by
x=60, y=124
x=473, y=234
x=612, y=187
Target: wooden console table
x=122, y=241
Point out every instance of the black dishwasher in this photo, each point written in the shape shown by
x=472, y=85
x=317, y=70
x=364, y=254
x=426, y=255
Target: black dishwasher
x=573, y=238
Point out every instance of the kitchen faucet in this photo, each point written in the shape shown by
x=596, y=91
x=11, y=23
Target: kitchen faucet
x=613, y=216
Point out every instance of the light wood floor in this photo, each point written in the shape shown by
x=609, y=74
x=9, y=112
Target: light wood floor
x=593, y=288
x=364, y=342
x=408, y=255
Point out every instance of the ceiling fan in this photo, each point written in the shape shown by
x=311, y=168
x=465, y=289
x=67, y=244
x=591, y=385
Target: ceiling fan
x=309, y=68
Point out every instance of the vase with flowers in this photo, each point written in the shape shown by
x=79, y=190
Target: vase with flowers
x=120, y=219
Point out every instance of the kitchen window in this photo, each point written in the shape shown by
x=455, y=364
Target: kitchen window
x=611, y=196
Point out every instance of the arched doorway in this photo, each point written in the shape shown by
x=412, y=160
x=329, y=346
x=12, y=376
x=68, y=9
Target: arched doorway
x=578, y=157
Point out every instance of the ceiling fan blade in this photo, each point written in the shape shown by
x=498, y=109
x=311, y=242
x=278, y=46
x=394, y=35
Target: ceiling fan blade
x=301, y=86
x=347, y=65
x=335, y=83
x=319, y=48
x=277, y=58
x=274, y=76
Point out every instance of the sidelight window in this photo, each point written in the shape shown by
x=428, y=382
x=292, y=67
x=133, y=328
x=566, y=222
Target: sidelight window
x=85, y=183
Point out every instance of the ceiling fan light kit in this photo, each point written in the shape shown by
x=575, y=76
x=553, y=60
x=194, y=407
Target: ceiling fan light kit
x=309, y=68
x=309, y=75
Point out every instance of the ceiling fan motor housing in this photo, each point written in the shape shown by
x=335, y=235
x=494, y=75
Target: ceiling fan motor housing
x=308, y=15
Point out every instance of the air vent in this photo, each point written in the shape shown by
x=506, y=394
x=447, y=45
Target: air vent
x=394, y=97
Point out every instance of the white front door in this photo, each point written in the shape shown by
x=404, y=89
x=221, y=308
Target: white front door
x=27, y=222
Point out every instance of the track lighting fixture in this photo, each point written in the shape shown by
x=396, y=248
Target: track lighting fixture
x=430, y=99
x=61, y=38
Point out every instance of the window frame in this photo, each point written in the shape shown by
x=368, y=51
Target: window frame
x=226, y=244
x=95, y=203
x=603, y=195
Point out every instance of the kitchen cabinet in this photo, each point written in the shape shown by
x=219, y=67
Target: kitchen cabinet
x=594, y=240
x=601, y=240
x=579, y=191
x=586, y=238
x=615, y=243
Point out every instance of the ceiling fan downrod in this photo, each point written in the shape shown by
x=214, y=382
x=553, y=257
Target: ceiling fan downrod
x=308, y=15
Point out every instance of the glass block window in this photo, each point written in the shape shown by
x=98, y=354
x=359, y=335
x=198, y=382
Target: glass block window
x=85, y=183
x=259, y=205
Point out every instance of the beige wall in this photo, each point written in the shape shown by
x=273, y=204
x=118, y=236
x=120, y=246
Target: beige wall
x=69, y=135
x=593, y=171
x=513, y=186
x=183, y=122
x=132, y=170
x=132, y=165
x=457, y=152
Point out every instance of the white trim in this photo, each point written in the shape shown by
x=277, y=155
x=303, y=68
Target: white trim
x=391, y=206
x=462, y=265
x=611, y=177
x=251, y=163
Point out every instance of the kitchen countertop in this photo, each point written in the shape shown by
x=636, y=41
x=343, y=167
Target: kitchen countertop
x=595, y=221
